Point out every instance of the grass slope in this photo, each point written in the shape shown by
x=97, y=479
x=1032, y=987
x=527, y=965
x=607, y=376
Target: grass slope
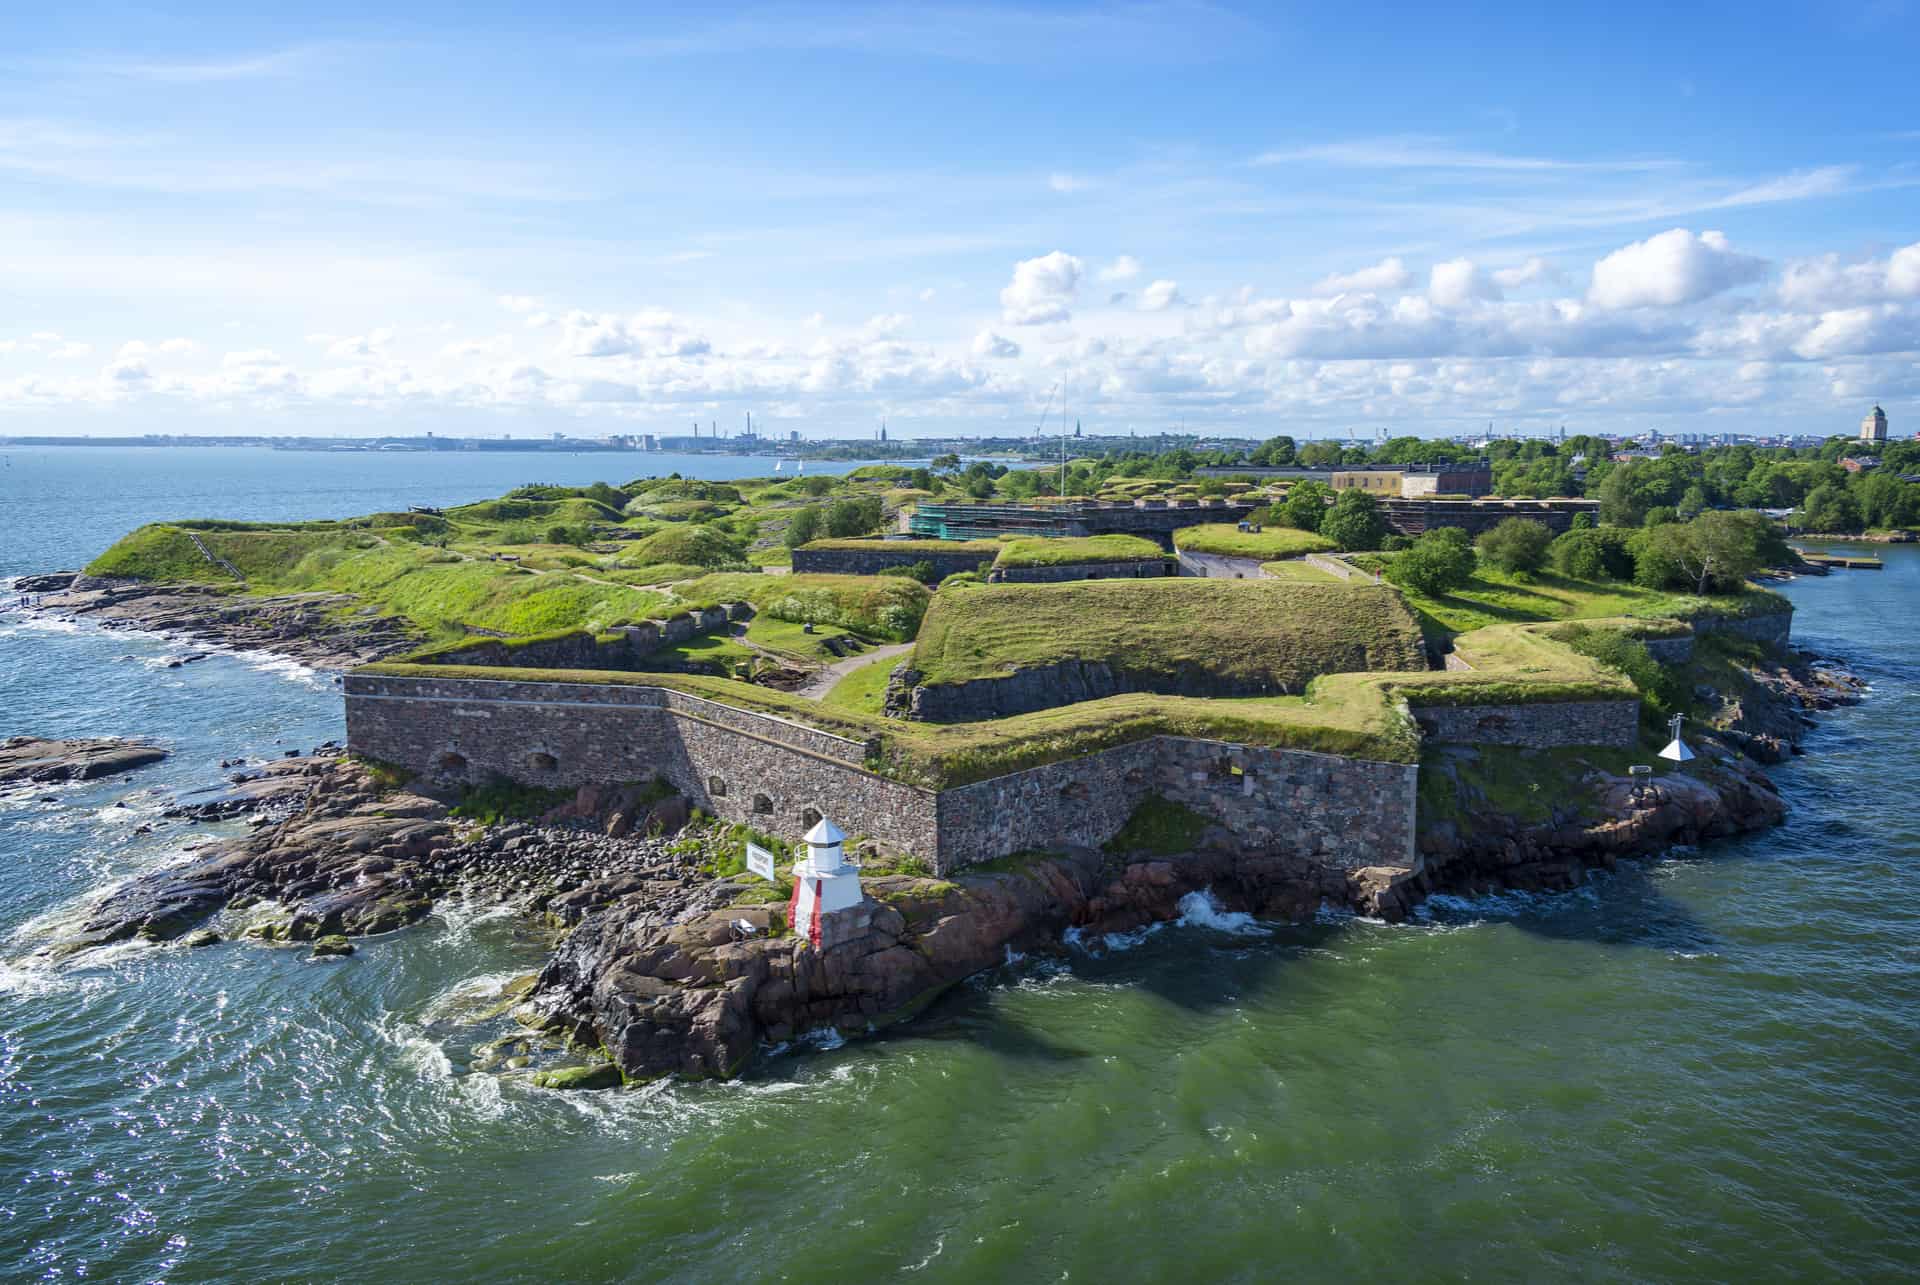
x=1090, y=548
x=1227, y=540
x=1493, y=597
x=1253, y=632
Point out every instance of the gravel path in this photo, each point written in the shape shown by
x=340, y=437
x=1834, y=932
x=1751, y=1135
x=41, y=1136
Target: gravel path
x=826, y=679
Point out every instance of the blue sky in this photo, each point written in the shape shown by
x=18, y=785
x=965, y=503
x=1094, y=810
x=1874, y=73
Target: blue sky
x=1319, y=220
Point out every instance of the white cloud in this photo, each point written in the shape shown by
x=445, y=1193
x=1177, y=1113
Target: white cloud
x=1903, y=272
x=1388, y=274
x=1066, y=183
x=1124, y=268
x=926, y=296
x=519, y=303
x=1042, y=290
x=885, y=325
x=652, y=333
x=988, y=344
x=1533, y=270
x=1457, y=283
x=1669, y=270
x=371, y=344
x=69, y=350
x=1159, y=296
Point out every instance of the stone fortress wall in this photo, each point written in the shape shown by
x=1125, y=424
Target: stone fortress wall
x=871, y=562
x=1128, y=569
x=780, y=777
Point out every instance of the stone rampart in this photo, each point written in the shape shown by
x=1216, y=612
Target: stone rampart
x=1335, y=566
x=772, y=774
x=779, y=776
x=622, y=647
x=871, y=562
x=1130, y=569
x=1540, y=725
x=1340, y=811
x=1774, y=629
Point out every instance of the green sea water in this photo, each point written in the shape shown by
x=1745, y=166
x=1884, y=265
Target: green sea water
x=1705, y=1067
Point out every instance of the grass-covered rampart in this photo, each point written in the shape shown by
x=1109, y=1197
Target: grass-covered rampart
x=1269, y=544
x=1039, y=552
x=1251, y=633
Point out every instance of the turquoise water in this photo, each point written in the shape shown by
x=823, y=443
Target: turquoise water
x=1704, y=1068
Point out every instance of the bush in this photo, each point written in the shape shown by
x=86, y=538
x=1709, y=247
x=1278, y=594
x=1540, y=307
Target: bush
x=853, y=517
x=1436, y=564
x=1516, y=544
x=804, y=526
x=1714, y=553
x=1593, y=553
x=700, y=546
x=1661, y=689
x=1354, y=522
x=921, y=571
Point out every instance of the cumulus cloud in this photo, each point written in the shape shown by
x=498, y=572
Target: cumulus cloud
x=1388, y=274
x=1903, y=272
x=1124, y=268
x=989, y=345
x=1669, y=270
x=1457, y=283
x=521, y=304
x=1159, y=296
x=651, y=333
x=1042, y=290
x=885, y=325
x=1533, y=270
x=1066, y=182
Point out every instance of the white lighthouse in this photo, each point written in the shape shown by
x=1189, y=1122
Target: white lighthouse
x=823, y=883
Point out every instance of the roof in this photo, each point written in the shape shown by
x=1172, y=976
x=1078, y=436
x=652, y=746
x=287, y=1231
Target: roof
x=824, y=834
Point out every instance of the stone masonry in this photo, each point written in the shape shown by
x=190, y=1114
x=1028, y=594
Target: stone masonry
x=779, y=776
x=1546, y=725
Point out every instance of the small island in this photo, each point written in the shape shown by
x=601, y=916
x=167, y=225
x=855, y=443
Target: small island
x=1028, y=719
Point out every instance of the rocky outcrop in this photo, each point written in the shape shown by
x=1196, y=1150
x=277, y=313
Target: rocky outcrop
x=696, y=997
x=326, y=631
x=1768, y=716
x=42, y=761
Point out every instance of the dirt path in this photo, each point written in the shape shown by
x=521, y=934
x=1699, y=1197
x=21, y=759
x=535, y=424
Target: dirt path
x=825, y=680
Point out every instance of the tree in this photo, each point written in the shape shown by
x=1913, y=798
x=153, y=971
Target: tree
x=1830, y=508
x=1320, y=454
x=1516, y=544
x=1588, y=554
x=1354, y=522
x=945, y=463
x=1714, y=553
x=1437, y=564
x=1693, y=502
x=1275, y=452
x=921, y=480
x=804, y=526
x=853, y=517
x=1582, y=522
x=816, y=485
x=1305, y=506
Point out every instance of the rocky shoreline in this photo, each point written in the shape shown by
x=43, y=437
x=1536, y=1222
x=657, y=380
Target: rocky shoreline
x=665, y=965
x=321, y=630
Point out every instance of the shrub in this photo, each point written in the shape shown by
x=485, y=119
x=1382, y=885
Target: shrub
x=1661, y=689
x=1593, y=553
x=1436, y=565
x=804, y=526
x=921, y=571
x=853, y=517
x=1516, y=544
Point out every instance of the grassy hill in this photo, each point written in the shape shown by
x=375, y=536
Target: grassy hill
x=1269, y=545
x=1038, y=552
x=1253, y=633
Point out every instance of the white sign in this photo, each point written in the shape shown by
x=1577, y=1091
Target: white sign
x=759, y=861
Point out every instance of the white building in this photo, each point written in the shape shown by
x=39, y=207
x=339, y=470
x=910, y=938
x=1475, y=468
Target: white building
x=1874, y=427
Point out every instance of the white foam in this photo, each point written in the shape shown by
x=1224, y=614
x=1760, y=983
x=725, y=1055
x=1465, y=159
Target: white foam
x=1201, y=910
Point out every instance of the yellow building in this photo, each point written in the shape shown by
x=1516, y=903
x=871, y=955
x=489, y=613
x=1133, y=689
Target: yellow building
x=1373, y=481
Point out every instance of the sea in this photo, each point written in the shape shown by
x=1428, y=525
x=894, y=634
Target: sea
x=1699, y=1067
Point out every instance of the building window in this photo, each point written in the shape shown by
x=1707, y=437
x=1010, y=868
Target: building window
x=762, y=804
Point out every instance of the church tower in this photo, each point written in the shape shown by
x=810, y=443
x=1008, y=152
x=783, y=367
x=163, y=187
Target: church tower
x=1874, y=427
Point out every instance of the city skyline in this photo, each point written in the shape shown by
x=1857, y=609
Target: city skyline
x=957, y=219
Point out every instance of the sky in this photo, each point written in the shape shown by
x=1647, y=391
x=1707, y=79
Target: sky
x=1322, y=220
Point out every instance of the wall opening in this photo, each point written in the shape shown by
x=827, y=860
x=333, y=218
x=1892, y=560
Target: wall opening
x=810, y=818
x=762, y=804
x=542, y=762
x=716, y=788
x=450, y=762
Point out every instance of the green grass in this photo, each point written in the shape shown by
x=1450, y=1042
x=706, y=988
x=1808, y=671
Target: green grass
x=1092, y=548
x=863, y=691
x=887, y=607
x=1300, y=572
x=1160, y=828
x=160, y=554
x=789, y=638
x=507, y=801
x=1494, y=597
x=1227, y=540
x=693, y=545
x=1248, y=633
